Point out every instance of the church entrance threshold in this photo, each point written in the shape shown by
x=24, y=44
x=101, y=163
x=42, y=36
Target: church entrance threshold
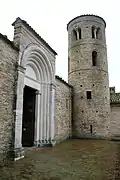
x=28, y=126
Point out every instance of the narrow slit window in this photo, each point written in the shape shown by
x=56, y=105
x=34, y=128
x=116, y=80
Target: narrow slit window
x=67, y=104
x=79, y=31
x=68, y=64
x=94, y=58
x=74, y=35
x=93, y=32
x=91, y=129
x=89, y=95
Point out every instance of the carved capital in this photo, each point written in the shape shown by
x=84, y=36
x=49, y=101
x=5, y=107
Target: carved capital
x=38, y=93
x=53, y=86
x=21, y=69
x=76, y=27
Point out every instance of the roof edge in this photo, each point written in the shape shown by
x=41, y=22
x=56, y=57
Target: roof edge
x=35, y=33
x=62, y=80
x=86, y=15
x=4, y=37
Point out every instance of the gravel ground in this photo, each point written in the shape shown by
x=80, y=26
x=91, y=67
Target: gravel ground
x=70, y=160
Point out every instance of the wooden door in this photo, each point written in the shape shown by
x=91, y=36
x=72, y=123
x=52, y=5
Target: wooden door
x=28, y=117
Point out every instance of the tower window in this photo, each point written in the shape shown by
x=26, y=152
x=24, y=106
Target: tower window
x=74, y=35
x=98, y=34
x=79, y=32
x=67, y=104
x=93, y=32
x=89, y=95
x=94, y=58
x=91, y=130
x=68, y=64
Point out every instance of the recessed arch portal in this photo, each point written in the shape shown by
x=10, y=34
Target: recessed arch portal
x=39, y=75
x=33, y=53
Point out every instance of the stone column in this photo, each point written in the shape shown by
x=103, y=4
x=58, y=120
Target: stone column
x=95, y=32
x=41, y=114
x=45, y=115
x=37, y=118
x=45, y=112
x=19, y=111
x=48, y=113
x=52, y=105
x=77, y=34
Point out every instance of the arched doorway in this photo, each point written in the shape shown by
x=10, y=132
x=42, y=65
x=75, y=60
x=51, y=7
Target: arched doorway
x=37, y=73
x=28, y=121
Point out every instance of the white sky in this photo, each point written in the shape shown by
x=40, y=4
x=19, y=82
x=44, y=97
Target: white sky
x=49, y=18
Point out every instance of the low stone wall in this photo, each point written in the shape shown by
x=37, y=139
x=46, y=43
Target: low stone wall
x=63, y=112
x=8, y=76
x=115, y=120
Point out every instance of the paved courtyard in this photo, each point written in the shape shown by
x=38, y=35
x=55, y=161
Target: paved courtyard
x=70, y=160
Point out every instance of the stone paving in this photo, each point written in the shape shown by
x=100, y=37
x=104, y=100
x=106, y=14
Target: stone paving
x=70, y=160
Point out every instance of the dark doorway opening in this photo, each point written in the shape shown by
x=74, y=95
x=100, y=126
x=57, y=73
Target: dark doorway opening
x=28, y=126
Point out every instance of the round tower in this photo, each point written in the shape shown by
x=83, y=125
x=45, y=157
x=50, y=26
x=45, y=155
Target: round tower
x=88, y=74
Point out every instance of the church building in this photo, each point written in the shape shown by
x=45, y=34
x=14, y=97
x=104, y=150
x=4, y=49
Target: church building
x=37, y=107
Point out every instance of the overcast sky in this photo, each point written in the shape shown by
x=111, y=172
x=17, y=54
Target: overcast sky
x=49, y=18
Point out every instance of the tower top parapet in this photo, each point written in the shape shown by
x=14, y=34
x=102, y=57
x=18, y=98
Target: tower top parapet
x=86, y=17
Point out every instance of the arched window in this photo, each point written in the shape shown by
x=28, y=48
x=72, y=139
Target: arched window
x=98, y=34
x=74, y=35
x=93, y=32
x=94, y=58
x=79, y=32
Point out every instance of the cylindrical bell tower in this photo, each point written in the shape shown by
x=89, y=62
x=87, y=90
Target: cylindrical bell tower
x=88, y=74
